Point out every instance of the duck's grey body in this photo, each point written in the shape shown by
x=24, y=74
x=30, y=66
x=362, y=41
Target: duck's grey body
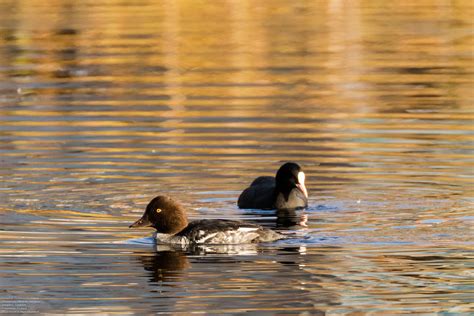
x=214, y=231
x=169, y=219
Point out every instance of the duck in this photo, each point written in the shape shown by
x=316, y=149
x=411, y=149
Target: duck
x=169, y=219
x=284, y=191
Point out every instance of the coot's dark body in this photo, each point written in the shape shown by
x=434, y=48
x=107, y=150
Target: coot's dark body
x=285, y=191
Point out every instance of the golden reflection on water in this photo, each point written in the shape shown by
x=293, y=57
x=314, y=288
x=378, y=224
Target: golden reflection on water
x=106, y=104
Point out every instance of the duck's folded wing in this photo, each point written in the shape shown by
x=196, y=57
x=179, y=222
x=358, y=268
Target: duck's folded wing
x=221, y=232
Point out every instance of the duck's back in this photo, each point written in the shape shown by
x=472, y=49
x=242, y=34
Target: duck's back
x=260, y=194
x=218, y=231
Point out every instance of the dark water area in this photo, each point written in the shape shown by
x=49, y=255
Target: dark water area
x=106, y=104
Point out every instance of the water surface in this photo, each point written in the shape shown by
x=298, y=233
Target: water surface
x=105, y=104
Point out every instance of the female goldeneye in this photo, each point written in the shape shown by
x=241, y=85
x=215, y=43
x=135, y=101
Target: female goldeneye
x=285, y=191
x=169, y=219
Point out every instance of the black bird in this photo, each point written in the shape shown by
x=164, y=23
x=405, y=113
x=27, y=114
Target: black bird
x=285, y=191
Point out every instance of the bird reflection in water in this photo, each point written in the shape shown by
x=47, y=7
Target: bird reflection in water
x=172, y=267
x=166, y=265
x=291, y=219
x=286, y=219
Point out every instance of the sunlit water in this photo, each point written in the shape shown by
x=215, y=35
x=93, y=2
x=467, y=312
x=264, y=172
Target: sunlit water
x=104, y=105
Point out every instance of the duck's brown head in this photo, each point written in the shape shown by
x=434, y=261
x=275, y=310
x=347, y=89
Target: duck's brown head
x=164, y=214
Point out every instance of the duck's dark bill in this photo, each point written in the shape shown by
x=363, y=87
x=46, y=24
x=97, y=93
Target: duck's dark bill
x=142, y=222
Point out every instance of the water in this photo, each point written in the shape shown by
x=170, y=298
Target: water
x=104, y=105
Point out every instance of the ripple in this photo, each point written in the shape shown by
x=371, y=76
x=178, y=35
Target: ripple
x=105, y=105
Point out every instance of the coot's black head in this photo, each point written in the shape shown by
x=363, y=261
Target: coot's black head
x=289, y=177
x=164, y=214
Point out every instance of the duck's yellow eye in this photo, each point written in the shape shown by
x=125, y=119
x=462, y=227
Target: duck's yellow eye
x=158, y=210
